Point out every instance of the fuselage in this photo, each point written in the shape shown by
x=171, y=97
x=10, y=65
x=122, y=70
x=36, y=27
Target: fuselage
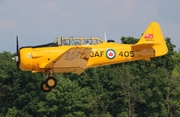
x=35, y=59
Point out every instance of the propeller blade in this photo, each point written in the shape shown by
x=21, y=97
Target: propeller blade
x=17, y=44
x=17, y=53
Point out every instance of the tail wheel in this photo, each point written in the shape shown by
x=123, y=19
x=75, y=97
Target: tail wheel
x=44, y=87
x=51, y=82
x=147, y=64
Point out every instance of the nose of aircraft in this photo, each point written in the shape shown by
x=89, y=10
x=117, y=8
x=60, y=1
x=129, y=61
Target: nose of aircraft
x=25, y=62
x=23, y=57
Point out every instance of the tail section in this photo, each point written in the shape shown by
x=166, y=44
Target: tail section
x=153, y=38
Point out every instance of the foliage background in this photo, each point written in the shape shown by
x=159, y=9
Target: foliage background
x=120, y=90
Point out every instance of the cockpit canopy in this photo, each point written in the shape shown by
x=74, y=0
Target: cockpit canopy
x=71, y=41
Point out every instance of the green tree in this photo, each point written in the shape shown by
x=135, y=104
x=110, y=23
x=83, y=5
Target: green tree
x=67, y=100
x=7, y=73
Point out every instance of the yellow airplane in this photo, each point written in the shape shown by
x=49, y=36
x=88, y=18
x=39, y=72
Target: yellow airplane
x=74, y=55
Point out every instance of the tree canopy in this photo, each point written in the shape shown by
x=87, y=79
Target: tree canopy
x=121, y=90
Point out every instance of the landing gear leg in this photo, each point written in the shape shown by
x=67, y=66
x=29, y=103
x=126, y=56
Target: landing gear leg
x=48, y=84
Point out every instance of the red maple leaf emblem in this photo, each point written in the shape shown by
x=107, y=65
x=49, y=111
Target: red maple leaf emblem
x=110, y=54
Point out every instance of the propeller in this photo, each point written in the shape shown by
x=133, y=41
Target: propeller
x=17, y=57
x=17, y=52
x=17, y=44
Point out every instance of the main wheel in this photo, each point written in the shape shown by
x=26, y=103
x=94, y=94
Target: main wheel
x=44, y=87
x=51, y=82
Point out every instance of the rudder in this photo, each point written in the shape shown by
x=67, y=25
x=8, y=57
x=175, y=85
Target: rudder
x=153, y=37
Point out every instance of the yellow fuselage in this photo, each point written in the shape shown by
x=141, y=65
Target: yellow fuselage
x=36, y=59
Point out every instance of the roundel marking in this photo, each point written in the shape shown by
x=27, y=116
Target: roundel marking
x=110, y=54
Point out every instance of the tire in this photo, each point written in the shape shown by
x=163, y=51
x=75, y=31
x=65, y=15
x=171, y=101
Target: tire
x=147, y=64
x=51, y=82
x=44, y=87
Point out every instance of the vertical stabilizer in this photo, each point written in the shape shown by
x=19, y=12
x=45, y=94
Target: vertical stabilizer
x=153, y=37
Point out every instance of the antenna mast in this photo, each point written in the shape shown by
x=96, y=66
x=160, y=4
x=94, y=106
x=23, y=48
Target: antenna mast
x=104, y=35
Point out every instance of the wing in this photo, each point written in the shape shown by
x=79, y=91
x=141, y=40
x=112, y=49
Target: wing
x=73, y=60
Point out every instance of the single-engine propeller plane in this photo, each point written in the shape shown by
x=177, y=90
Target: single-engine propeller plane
x=74, y=55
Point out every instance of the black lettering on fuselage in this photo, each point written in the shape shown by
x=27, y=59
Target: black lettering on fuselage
x=97, y=54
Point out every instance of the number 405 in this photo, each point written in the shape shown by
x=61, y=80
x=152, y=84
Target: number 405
x=126, y=54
